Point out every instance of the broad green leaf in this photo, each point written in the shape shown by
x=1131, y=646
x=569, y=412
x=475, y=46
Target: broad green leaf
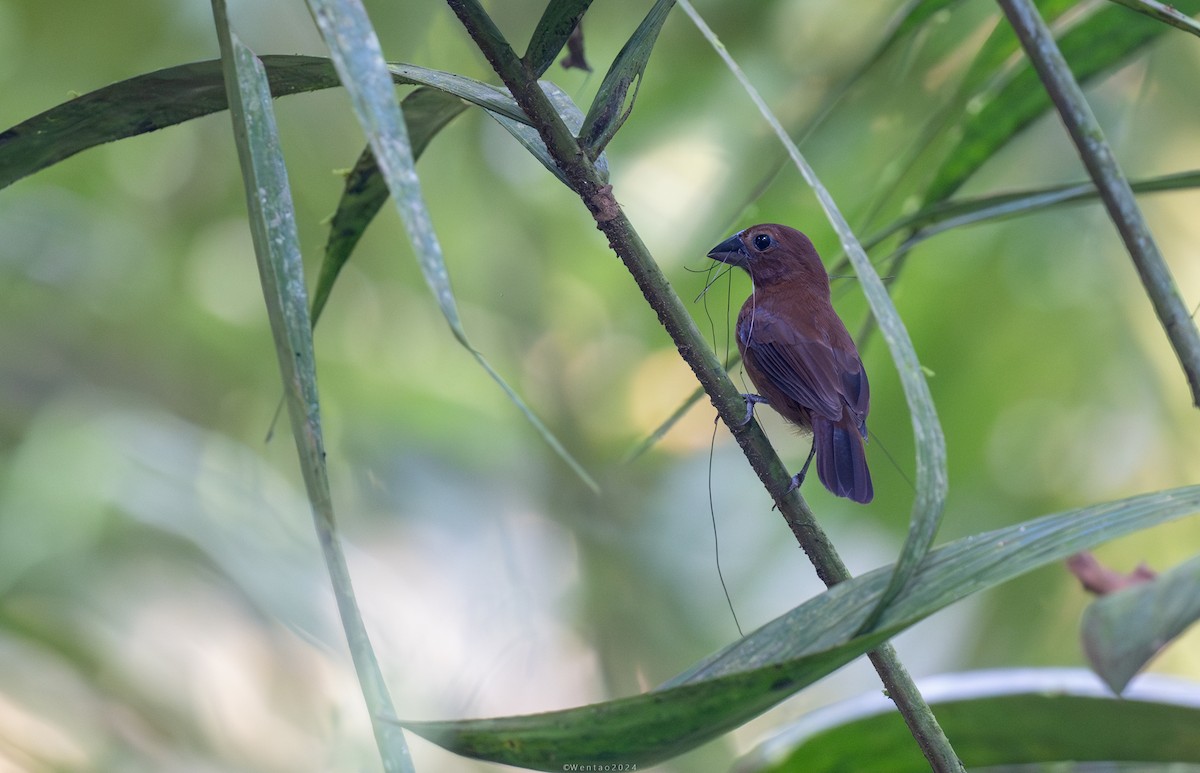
x=556, y=25
x=1122, y=631
x=1003, y=717
x=281, y=271
x=426, y=112
x=613, y=104
x=791, y=652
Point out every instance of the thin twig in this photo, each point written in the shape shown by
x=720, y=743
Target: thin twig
x=1101, y=164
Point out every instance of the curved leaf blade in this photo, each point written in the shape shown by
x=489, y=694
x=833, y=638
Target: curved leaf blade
x=171, y=96
x=1123, y=631
x=1002, y=717
x=612, y=104
x=139, y=105
x=944, y=216
x=794, y=650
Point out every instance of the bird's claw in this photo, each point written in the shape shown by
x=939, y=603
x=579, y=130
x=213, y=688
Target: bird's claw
x=751, y=401
x=798, y=478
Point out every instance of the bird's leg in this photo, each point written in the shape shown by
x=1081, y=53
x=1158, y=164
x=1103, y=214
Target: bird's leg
x=799, y=477
x=751, y=401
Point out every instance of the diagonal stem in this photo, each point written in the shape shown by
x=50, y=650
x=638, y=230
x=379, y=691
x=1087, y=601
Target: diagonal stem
x=1097, y=156
x=625, y=242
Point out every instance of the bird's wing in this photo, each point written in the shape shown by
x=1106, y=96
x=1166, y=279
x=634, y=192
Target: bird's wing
x=804, y=369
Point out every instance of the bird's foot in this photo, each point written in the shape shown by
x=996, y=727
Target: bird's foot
x=798, y=478
x=751, y=401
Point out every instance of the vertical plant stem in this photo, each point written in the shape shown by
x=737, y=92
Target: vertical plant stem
x=1101, y=164
x=625, y=242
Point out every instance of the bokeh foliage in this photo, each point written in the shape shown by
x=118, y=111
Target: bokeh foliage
x=155, y=557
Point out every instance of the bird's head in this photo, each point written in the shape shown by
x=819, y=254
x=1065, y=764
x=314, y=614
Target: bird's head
x=771, y=253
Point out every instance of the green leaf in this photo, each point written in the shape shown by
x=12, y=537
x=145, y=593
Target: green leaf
x=1003, y=717
x=426, y=112
x=791, y=652
x=359, y=61
x=1103, y=40
x=556, y=25
x=281, y=270
x=943, y=216
x=177, y=94
x=1167, y=14
x=1122, y=631
x=139, y=105
x=610, y=109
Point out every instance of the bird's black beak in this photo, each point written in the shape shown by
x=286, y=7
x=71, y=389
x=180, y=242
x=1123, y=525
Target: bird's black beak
x=730, y=251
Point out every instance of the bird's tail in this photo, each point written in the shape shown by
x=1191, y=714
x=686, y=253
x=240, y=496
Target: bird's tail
x=842, y=459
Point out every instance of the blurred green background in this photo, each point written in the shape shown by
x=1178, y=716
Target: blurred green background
x=163, y=605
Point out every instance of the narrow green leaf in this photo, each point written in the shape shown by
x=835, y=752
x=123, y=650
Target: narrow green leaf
x=359, y=61
x=139, y=105
x=1105, y=39
x=943, y=216
x=794, y=650
x=1122, y=631
x=611, y=107
x=167, y=97
x=556, y=25
x=426, y=112
x=281, y=270
x=1001, y=717
x=1167, y=14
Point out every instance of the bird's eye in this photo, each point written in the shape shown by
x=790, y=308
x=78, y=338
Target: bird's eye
x=763, y=241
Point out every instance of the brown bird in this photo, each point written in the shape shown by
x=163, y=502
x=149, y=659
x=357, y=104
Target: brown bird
x=799, y=354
